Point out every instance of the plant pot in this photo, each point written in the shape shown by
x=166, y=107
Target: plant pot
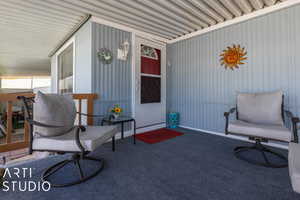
x=116, y=116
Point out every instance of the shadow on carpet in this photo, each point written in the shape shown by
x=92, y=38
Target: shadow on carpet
x=193, y=166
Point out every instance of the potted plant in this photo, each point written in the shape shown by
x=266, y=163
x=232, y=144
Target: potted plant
x=116, y=111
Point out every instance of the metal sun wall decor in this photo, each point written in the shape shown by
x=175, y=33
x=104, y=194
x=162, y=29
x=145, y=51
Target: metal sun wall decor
x=233, y=56
x=105, y=56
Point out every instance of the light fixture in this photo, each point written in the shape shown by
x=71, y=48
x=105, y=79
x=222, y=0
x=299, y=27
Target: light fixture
x=123, y=51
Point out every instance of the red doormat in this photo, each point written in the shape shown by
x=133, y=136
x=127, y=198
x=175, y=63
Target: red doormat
x=156, y=136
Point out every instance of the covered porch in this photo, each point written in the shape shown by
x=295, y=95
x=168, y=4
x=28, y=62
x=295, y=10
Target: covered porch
x=210, y=87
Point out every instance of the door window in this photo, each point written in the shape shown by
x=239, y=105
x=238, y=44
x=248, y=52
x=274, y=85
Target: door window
x=150, y=75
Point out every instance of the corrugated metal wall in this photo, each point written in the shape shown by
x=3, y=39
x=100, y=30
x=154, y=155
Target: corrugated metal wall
x=83, y=59
x=111, y=82
x=201, y=90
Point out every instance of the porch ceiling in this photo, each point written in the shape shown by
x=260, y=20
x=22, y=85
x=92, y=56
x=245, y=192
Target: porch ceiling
x=31, y=29
x=168, y=19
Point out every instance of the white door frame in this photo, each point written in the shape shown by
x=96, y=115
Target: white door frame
x=137, y=40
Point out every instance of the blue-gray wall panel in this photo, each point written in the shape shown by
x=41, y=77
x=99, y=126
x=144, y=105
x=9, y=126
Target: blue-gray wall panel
x=201, y=90
x=83, y=59
x=111, y=82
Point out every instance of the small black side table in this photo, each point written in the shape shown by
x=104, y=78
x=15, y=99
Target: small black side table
x=120, y=120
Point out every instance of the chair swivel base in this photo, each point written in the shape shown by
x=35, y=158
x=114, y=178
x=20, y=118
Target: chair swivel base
x=76, y=161
x=259, y=147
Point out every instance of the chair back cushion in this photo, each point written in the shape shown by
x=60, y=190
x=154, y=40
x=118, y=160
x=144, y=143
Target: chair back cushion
x=54, y=109
x=262, y=108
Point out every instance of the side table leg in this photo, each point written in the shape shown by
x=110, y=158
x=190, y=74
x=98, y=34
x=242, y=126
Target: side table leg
x=122, y=130
x=113, y=143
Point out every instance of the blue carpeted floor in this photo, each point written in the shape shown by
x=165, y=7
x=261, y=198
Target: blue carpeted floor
x=192, y=166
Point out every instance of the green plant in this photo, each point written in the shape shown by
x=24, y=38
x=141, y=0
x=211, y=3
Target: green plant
x=116, y=109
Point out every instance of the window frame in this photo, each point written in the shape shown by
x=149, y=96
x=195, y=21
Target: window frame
x=58, y=53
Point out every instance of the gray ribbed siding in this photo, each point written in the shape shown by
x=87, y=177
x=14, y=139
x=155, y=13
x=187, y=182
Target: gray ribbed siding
x=111, y=82
x=201, y=90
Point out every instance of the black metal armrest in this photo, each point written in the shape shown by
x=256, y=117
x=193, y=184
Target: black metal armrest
x=232, y=110
x=35, y=123
x=292, y=117
x=226, y=115
x=79, y=129
x=82, y=128
x=88, y=115
x=295, y=121
x=289, y=114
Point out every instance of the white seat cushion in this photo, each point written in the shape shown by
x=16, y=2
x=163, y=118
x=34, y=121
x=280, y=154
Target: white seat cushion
x=294, y=165
x=93, y=137
x=276, y=132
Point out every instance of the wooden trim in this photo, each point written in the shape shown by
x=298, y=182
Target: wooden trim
x=13, y=146
x=9, y=122
x=13, y=96
x=85, y=96
x=26, y=131
x=90, y=110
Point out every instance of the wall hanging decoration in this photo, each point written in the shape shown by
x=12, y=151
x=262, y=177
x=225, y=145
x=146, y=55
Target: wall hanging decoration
x=105, y=56
x=233, y=56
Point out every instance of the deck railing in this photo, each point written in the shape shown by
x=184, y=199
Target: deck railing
x=8, y=144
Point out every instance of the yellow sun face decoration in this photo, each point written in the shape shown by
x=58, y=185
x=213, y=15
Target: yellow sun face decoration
x=233, y=56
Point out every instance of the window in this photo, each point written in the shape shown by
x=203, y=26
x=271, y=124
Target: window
x=65, y=70
x=149, y=52
x=25, y=82
x=150, y=75
x=38, y=82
